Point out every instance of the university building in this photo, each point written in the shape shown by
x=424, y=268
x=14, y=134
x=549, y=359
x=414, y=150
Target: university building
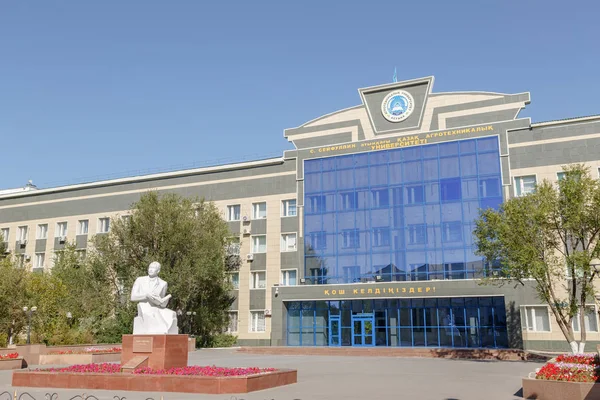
x=361, y=235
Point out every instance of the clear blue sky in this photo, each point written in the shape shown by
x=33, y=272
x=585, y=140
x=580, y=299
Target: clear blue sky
x=93, y=88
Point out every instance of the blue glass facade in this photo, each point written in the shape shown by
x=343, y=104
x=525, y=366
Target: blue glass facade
x=404, y=214
x=445, y=322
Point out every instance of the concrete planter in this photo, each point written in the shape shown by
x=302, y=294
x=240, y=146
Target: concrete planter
x=155, y=383
x=72, y=359
x=542, y=389
x=11, y=363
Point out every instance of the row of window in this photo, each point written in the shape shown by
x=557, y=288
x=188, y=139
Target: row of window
x=40, y=260
x=258, y=279
x=451, y=232
x=59, y=232
x=259, y=210
x=537, y=319
x=526, y=184
x=259, y=243
x=445, y=190
x=257, y=321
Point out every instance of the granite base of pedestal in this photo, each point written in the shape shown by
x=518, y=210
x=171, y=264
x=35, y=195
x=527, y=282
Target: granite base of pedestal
x=162, y=351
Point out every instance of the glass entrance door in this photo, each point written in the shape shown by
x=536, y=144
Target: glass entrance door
x=334, y=331
x=362, y=330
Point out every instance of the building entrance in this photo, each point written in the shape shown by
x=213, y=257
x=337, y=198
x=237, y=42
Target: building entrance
x=335, y=329
x=362, y=329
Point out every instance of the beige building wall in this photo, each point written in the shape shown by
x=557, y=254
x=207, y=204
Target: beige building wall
x=273, y=258
x=273, y=247
x=550, y=173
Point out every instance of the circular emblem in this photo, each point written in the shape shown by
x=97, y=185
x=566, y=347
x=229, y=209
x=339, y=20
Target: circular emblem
x=397, y=106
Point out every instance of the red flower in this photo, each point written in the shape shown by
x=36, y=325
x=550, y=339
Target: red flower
x=9, y=356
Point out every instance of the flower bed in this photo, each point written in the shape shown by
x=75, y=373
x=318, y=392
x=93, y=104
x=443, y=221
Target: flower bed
x=88, y=350
x=192, y=379
x=10, y=356
x=194, y=370
x=566, y=376
x=571, y=368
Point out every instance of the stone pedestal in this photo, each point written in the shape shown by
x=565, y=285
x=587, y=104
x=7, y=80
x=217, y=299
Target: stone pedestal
x=154, y=351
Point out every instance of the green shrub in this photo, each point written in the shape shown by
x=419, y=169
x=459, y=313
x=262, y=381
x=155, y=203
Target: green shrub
x=219, y=340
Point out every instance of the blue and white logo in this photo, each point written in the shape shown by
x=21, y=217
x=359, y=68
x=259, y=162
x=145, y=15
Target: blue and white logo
x=397, y=106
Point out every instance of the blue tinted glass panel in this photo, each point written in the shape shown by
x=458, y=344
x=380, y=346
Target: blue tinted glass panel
x=414, y=206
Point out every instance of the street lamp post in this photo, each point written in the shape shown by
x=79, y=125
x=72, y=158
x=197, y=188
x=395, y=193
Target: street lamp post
x=69, y=318
x=29, y=312
x=189, y=314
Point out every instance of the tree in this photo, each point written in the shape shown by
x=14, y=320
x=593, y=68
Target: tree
x=13, y=296
x=189, y=238
x=551, y=236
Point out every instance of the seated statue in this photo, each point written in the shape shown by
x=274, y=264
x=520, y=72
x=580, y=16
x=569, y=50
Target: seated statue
x=153, y=318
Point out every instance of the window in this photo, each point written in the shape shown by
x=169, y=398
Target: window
x=560, y=176
x=233, y=322
x=5, y=232
x=235, y=280
x=81, y=254
x=452, y=231
x=524, y=185
x=258, y=280
x=351, y=274
x=350, y=239
x=381, y=236
x=82, y=227
x=489, y=187
x=21, y=260
x=450, y=189
x=42, y=231
x=257, y=321
x=316, y=204
x=380, y=198
x=288, y=242
x=259, y=210
x=349, y=201
x=288, y=277
x=537, y=319
x=417, y=234
x=317, y=240
x=288, y=208
x=590, y=318
x=414, y=194
x=40, y=258
x=61, y=229
x=104, y=225
x=233, y=213
x=259, y=244
x=22, y=234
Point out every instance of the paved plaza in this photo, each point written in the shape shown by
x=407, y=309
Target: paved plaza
x=349, y=378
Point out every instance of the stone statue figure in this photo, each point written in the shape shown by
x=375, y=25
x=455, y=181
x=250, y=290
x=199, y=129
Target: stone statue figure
x=151, y=294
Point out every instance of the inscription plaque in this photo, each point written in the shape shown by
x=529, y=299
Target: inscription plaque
x=142, y=344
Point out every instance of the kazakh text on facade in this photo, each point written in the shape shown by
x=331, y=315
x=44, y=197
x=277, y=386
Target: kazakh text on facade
x=403, y=141
x=380, y=291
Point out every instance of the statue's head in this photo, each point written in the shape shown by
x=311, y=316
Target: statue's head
x=153, y=269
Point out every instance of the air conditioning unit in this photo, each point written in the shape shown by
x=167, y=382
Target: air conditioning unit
x=7, y=251
x=267, y=312
x=302, y=281
x=22, y=243
x=250, y=257
x=246, y=231
x=27, y=258
x=245, y=218
x=62, y=239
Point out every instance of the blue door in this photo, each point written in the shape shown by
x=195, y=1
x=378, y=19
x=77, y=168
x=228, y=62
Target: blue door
x=334, y=331
x=362, y=330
